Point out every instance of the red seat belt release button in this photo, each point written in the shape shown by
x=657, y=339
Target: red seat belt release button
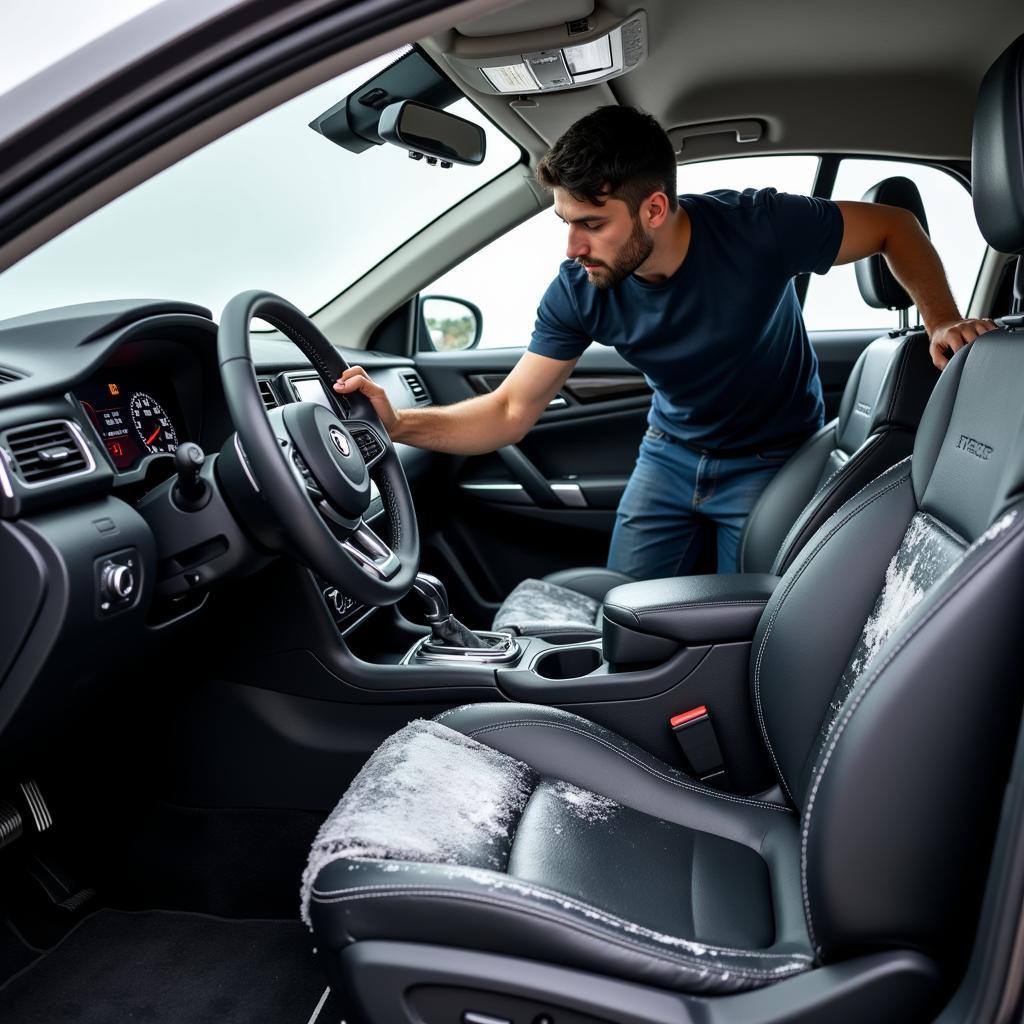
x=696, y=737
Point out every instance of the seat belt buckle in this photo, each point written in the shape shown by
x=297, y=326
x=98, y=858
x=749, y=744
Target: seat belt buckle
x=696, y=737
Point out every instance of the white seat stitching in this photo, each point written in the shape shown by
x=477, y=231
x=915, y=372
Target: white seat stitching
x=693, y=787
x=799, y=961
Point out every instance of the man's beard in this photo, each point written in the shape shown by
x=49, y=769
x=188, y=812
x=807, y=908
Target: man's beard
x=636, y=250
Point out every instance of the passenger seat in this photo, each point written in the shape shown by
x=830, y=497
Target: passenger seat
x=878, y=418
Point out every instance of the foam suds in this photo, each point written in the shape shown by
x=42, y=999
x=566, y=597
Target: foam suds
x=428, y=794
x=925, y=555
x=587, y=806
x=537, y=604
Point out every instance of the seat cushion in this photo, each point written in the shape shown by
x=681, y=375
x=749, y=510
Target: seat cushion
x=528, y=831
x=564, y=602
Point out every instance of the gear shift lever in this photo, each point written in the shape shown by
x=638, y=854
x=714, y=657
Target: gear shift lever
x=445, y=629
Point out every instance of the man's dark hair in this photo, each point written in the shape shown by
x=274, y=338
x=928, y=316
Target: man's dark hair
x=615, y=151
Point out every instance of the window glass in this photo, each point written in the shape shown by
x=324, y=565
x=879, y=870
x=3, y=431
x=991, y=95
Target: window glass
x=273, y=205
x=834, y=301
x=786, y=173
x=507, y=278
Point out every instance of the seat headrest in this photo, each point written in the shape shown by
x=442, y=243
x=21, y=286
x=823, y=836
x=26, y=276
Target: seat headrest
x=878, y=287
x=997, y=152
x=888, y=389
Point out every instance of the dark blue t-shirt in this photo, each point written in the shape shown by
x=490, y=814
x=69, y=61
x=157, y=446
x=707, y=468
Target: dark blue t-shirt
x=722, y=342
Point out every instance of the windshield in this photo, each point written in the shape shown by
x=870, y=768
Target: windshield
x=272, y=205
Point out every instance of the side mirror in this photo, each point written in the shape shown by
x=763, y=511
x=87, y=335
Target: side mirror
x=432, y=133
x=449, y=324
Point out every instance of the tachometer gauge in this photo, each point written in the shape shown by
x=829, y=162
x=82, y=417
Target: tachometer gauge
x=153, y=423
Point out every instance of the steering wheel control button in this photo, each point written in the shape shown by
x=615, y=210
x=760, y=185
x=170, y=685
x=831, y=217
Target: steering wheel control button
x=370, y=446
x=117, y=581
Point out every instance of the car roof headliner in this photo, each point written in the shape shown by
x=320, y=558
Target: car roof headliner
x=823, y=75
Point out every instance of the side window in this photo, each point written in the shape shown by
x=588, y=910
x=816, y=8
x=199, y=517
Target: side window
x=507, y=278
x=833, y=300
x=786, y=173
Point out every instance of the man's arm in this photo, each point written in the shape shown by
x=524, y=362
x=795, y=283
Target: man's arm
x=870, y=228
x=476, y=425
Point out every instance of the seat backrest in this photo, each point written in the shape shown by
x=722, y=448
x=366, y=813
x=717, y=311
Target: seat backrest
x=878, y=415
x=886, y=669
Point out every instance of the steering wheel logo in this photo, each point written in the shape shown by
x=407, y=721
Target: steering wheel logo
x=340, y=442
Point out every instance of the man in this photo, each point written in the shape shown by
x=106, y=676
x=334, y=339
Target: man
x=697, y=292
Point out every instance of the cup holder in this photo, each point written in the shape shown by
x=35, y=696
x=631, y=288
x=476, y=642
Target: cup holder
x=568, y=663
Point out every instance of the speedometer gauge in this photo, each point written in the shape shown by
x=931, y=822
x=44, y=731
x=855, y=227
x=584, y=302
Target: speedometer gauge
x=153, y=424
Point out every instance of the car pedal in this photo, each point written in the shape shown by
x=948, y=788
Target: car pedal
x=11, y=823
x=61, y=890
x=37, y=807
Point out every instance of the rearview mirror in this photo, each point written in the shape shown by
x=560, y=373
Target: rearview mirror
x=432, y=133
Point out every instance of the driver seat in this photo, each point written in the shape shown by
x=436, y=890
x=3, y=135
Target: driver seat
x=504, y=862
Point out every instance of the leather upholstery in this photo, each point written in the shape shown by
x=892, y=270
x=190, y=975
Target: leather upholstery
x=878, y=287
x=879, y=412
x=692, y=609
x=720, y=911
x=997, y=151
x=881, y=407
x=565, y=602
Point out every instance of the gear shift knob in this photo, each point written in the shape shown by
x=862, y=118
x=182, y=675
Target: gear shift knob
x=434, y=596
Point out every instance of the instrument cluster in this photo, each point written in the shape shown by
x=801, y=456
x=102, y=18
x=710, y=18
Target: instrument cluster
x=134, y=414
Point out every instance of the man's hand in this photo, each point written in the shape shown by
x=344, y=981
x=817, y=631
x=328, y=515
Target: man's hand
x=947, y=339
x=355, y=379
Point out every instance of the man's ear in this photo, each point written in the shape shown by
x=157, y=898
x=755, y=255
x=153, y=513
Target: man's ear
x=654, y=210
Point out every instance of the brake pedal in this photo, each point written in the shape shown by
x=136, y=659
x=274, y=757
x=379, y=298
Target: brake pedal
x=60, y=888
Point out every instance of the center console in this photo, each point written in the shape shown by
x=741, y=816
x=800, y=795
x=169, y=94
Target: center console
x=669, y=649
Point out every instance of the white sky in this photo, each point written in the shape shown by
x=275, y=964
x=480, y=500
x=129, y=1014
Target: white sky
x=33, y=35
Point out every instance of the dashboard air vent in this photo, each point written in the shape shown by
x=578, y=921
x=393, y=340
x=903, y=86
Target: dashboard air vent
x=417, y=387
x=369, y=443
x=7, y=376
x=47, y=451
x=267, y=394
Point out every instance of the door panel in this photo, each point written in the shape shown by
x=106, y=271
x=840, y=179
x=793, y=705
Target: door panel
x=547, y=502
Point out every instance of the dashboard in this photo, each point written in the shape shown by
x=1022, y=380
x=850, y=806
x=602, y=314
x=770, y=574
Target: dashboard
x=94, y=402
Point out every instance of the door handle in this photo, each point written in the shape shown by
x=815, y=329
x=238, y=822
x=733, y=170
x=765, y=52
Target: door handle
x=526, y=473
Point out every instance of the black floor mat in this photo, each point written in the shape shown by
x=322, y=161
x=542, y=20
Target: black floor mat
x=171, y=968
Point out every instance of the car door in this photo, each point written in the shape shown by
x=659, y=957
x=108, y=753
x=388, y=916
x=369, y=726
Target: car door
x=548, y=502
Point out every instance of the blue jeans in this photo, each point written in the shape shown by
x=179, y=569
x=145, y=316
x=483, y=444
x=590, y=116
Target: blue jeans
x=658, y=528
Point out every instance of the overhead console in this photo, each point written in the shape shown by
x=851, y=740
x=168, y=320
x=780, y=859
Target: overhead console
x=546, y=48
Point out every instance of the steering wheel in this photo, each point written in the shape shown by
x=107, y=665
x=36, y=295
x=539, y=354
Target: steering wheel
x=312, y=467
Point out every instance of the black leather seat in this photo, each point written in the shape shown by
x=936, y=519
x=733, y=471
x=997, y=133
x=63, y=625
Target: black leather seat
x=878, y=415
x=514, y=860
